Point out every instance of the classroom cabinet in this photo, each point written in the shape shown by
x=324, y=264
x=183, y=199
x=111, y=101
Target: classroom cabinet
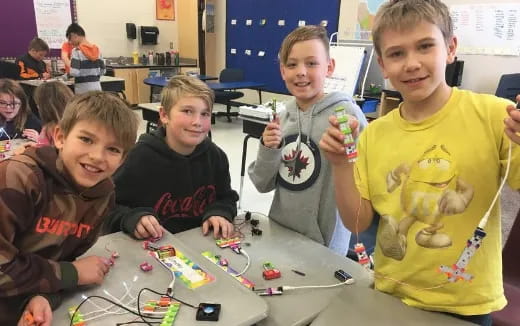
x=135, y=90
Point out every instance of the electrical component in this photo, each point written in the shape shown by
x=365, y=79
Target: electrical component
x=171, y=314
x=76, y=316
x=298, y=272
x=145, y=267
x=269, y=291
x=254, y=222
x=256, y=231
x=348, y=142
x=270, y=273
x=342, y=275
x=223, y=243
x=363, y=259
x=458, y=270
x=28, y=319
x=208, y=311
x=518, y=105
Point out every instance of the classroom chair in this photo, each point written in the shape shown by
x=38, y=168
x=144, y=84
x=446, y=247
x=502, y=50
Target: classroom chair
x=9, y=70
x=510, y=315
x=227, y=96
x=509, y=86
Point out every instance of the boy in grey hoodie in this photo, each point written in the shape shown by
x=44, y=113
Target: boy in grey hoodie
x=289, y=159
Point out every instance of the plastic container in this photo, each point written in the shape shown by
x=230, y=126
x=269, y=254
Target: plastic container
x=369, y=106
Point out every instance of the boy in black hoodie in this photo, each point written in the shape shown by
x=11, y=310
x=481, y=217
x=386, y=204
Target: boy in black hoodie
x=176, y=177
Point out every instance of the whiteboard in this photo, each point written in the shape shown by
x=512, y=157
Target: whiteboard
x=349, y=60
x=52, y=19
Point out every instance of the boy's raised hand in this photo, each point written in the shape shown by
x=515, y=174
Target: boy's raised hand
x=332, y=140
x=91, y=269
x=512, y=124
x=220, y=226
x=148, y=227
x=272, y=135
x=37, y=312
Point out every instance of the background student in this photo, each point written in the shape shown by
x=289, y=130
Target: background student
x=51, y=99
x=52, y=204
x=289, y=160
x=16, y=118
x=86, y=63
x=177, y=177
x=31, y=64
x=431, y=169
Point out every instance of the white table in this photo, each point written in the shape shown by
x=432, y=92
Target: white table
x=240, y=306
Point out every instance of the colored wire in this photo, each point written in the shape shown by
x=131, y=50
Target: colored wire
x=243, y=252
x=347, y=282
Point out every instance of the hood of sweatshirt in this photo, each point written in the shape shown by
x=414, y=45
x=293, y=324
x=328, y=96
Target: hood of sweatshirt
x=48, y=160
x=157, y=141
x=90, y=51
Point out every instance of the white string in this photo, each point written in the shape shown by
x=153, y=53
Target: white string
x=243, y=252
x=347, y=282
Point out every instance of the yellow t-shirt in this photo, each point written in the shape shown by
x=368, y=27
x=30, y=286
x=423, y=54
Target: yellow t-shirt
x=441, y=172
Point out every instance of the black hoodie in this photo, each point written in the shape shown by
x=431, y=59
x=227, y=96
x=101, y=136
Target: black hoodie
x=180, y=191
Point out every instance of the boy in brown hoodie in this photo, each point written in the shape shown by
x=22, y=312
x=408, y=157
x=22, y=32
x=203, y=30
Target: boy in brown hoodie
x=86, y=64
x=53, y=201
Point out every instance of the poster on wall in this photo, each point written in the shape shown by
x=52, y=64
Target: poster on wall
x=164, y=10
x=487, y=29
x=52, y=19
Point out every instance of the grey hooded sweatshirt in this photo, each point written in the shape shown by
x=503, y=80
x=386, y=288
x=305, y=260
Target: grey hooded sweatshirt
x=304, y=193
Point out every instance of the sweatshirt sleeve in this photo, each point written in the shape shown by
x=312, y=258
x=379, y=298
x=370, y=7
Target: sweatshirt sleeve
x=264, y=170
x=123, y=216
x=225, y=204
x=20, y=201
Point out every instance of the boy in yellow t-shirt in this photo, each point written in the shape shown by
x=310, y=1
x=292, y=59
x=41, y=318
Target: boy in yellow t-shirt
x=431, y=169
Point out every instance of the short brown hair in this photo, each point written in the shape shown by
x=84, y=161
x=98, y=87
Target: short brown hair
x=51, y=99
x=9, y=86
x=107, y=108
x=402, y=14
x=180, y=86
x=300, y=34
x=37, y=44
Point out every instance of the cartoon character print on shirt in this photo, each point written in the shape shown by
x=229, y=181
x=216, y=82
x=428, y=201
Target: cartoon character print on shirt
x=299, y=169
x=431, y=188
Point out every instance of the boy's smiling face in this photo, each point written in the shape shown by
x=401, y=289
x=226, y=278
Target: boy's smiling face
x=415, y=58
x=305, y=71
x=187, y=124
x=90, y=152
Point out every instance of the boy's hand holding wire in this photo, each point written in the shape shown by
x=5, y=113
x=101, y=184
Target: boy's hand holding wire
x=37, y=312
x=272, y=135
x=91, y=269
x=148, y=227
x=512, y=124
x=332, y=140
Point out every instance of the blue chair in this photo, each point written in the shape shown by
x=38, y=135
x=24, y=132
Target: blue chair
x=509, y=86
x=226, y=97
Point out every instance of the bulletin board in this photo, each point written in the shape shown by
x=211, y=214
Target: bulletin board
x=19, y=27
x=254, y=25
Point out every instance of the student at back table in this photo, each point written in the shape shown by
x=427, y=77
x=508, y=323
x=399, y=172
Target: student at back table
x=31, y=64
x=431, y=169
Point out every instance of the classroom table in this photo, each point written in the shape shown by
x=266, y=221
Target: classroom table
x=286, y=250
x=14, y=144
x=240, y=306
x=163, y=81
x=108, y=83
x=371, y=307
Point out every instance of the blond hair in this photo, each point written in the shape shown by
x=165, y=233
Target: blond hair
x=402, y=14
x=12, y=88
x=180, y=86
x=106, y=108
x=300, y=34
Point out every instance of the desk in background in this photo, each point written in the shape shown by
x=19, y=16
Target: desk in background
x=109, y=84
x=240, y=306
x=163, y=81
